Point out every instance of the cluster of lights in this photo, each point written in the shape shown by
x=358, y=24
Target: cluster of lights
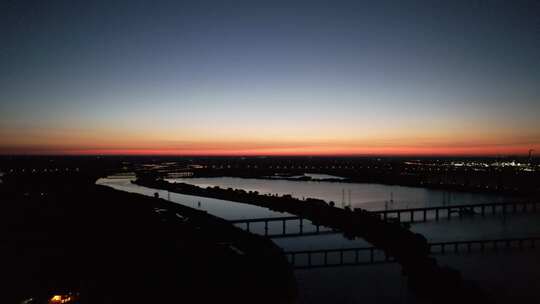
x=509, y=164
x=62, y=299
x=24, y=170
x=69, y=298
x=469, y=164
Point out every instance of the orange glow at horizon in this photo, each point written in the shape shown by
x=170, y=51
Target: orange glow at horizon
x=399, y=142
x=292, y=151
x=181, y=81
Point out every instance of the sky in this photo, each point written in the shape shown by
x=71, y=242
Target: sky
x=270, y=77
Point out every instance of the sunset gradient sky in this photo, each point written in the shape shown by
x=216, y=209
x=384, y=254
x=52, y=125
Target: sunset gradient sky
x=270, y=77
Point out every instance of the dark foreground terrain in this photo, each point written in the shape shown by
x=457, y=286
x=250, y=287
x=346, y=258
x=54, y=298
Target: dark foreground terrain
x=62, y=235
x=427, y=280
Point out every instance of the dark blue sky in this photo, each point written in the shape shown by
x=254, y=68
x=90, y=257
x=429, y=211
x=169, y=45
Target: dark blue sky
x=292, y=75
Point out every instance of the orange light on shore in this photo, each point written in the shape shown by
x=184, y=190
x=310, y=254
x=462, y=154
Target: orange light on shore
x=62, y=299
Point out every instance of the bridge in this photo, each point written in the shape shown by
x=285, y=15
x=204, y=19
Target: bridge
x=247, y=225
x=409, y=215
x=306, y=259
x=458, y=210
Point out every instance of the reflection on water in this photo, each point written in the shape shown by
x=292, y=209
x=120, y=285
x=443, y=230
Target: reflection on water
x=225, y=209
x=367, y=196
x=444, y=230
x=232, y=210
x=377, y=283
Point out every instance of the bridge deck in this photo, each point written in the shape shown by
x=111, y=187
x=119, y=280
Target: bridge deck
x=401, y=215
x=303, y=259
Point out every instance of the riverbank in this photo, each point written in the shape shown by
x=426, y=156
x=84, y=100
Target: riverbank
x=426, y=278
x=494, y=180
x=105, y=245
x=372, y=197
x=405, y=182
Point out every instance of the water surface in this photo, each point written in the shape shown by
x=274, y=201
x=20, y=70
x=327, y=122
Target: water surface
x=367, y=196
x=500, y=273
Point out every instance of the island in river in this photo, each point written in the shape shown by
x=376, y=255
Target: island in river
x=426, y=278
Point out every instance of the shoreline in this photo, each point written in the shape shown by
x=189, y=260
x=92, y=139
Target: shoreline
x=410, y=249
x=428, y=186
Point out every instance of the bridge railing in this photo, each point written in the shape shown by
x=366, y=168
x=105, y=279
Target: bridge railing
x=409, y=215
x=483, y=245
x=281, y=226
x=370, y=255
x=436, y=213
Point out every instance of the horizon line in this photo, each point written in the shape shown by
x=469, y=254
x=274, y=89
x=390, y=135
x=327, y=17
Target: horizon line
x=260, y=155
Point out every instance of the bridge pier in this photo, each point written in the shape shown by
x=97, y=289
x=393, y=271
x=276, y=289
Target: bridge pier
x=396, y=214
x=493, y=244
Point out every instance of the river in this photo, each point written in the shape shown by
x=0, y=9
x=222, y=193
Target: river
x=367, y=196
x=376, y=283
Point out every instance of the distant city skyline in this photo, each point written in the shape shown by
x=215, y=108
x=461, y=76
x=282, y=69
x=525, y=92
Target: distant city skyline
x=270, y=77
